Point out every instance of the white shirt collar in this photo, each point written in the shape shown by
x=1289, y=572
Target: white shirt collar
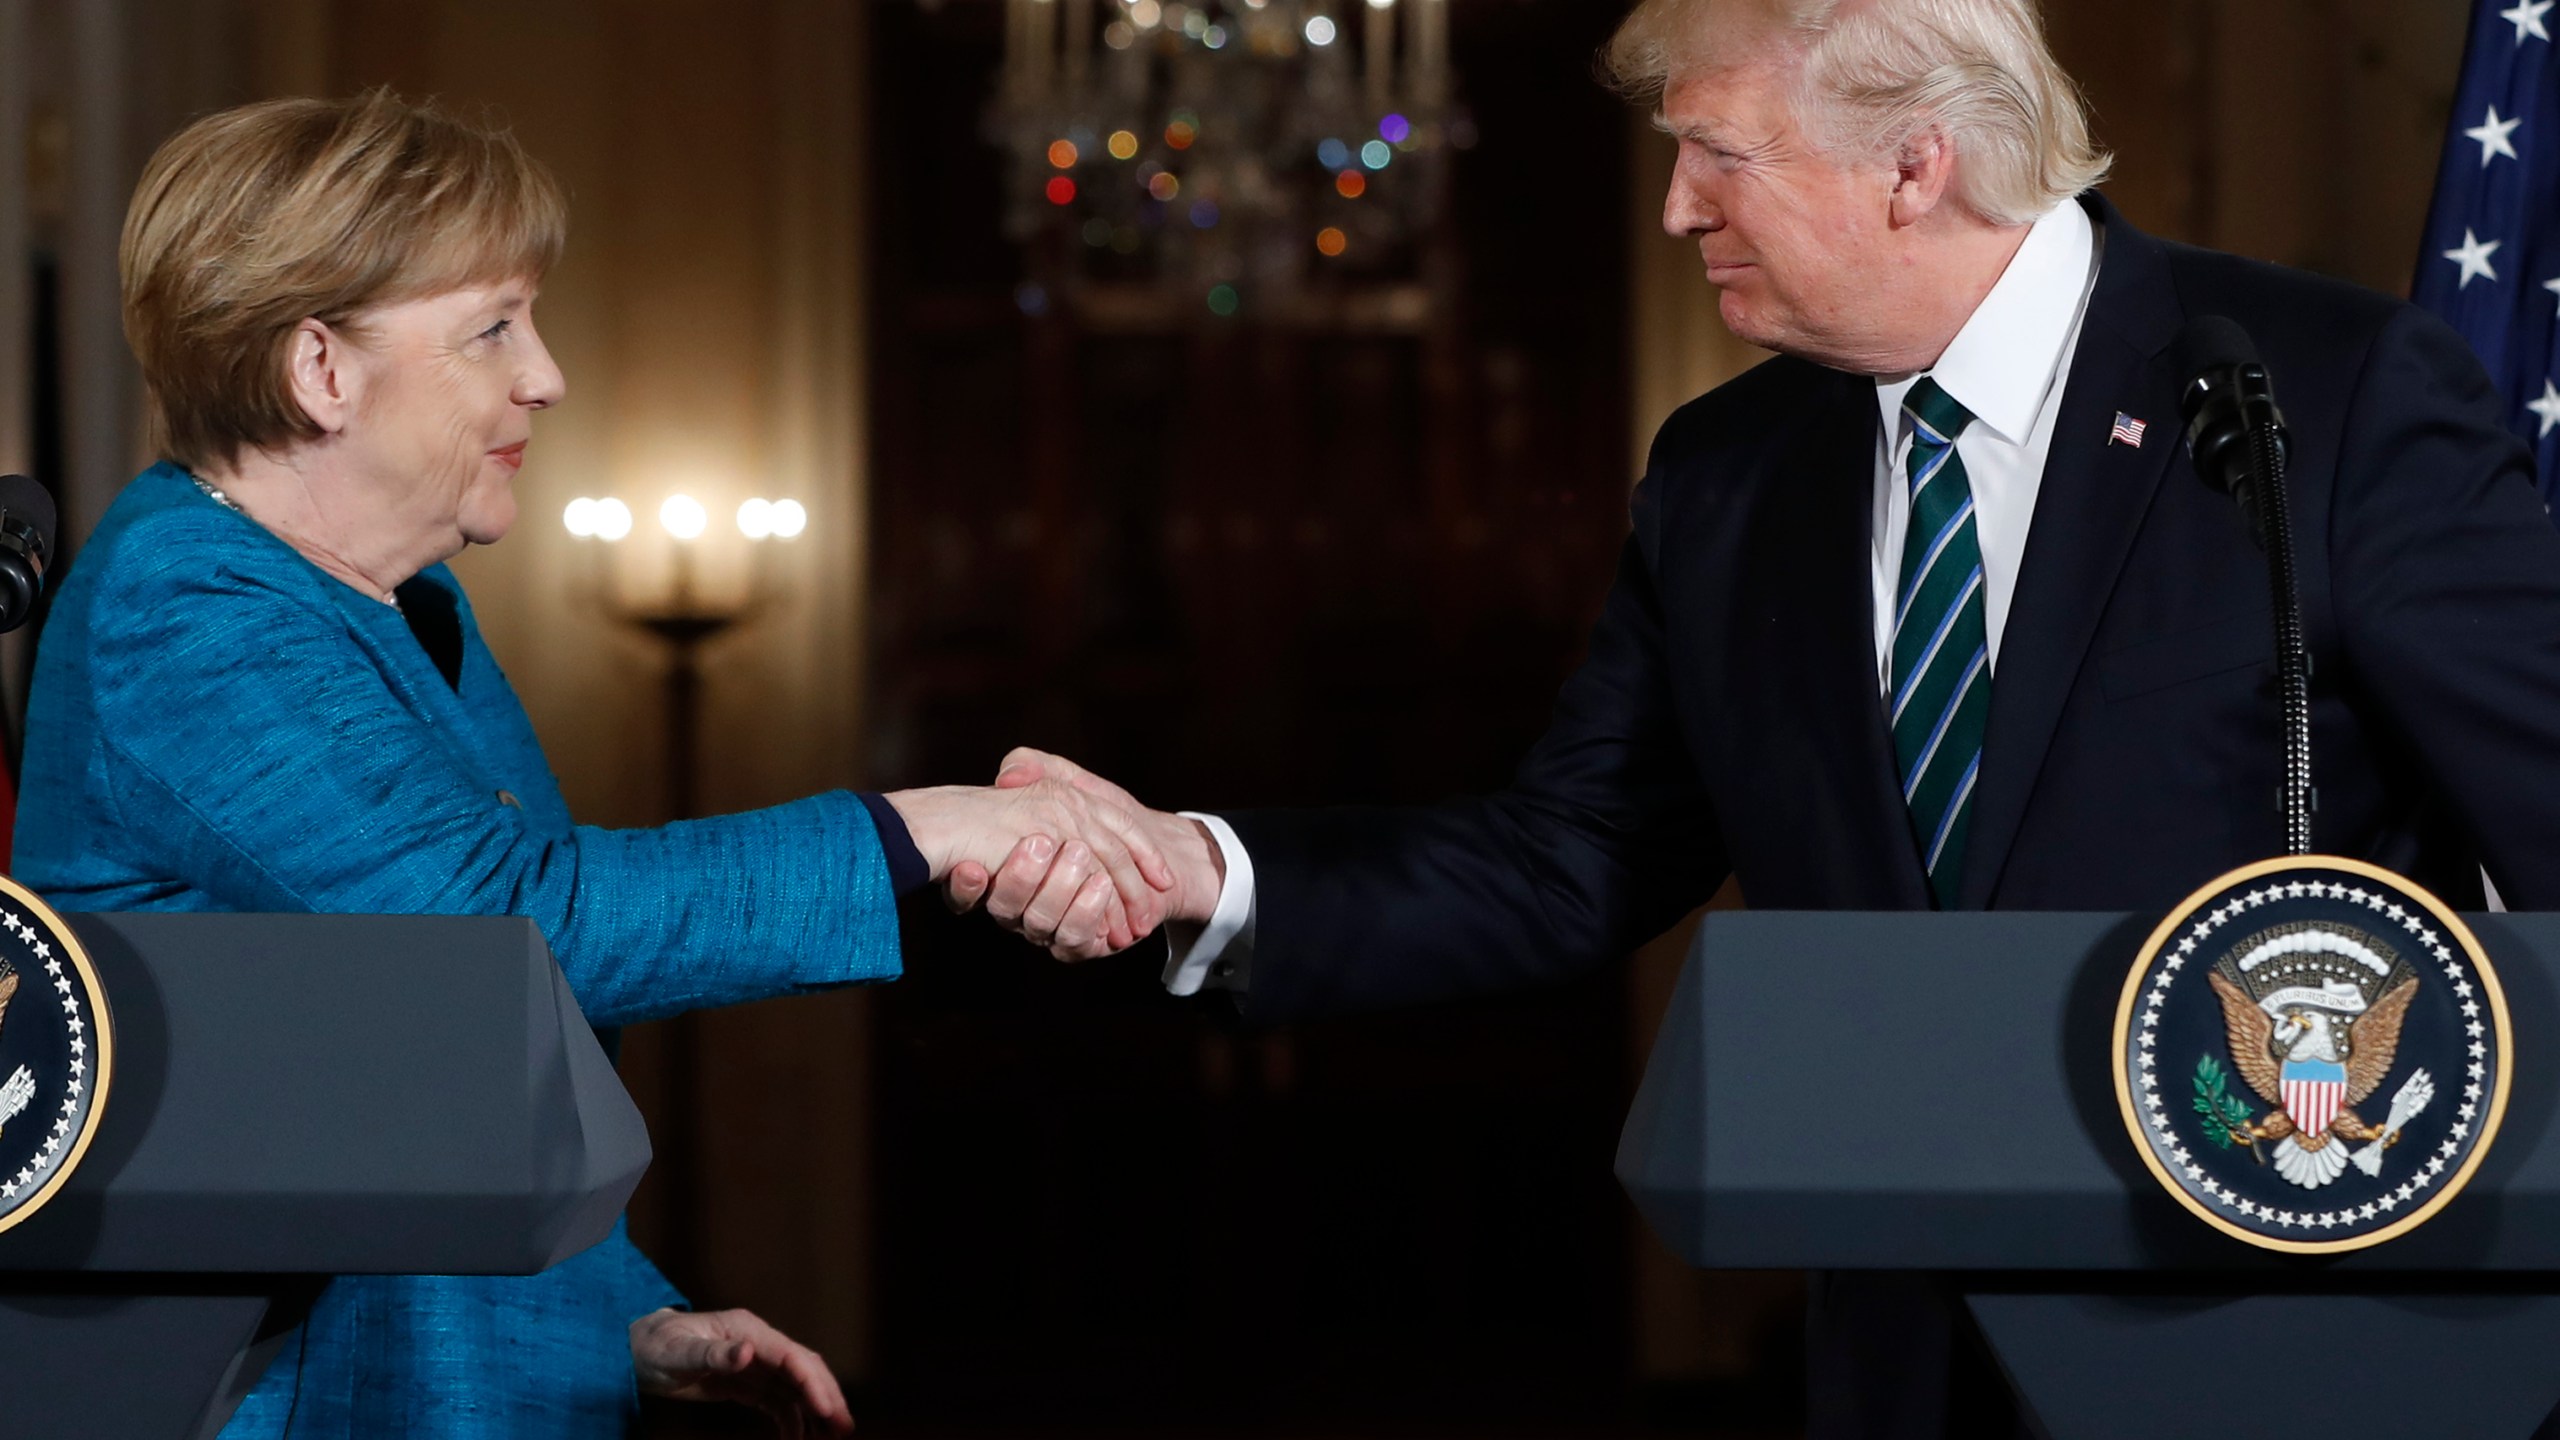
x=2009, y=355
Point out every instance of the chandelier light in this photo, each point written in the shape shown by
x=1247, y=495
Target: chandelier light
x=1237, y=150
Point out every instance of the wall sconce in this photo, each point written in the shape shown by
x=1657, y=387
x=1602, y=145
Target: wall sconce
x=682, y=618
x=684, y=517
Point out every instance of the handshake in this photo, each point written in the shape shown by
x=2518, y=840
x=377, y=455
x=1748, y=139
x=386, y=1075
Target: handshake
x=1064, y=857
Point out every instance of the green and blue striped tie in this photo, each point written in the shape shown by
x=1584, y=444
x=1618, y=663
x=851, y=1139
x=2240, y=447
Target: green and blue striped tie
x=1941, y=642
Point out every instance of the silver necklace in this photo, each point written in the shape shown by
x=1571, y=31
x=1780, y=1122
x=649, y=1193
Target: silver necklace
x=214, y=495
x=226, y=502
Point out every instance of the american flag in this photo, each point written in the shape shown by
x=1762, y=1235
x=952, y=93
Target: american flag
x=2128, y=431
x=2491, y=262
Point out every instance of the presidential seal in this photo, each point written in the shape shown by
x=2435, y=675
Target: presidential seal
x=56, y=1053
x=2312, y=1054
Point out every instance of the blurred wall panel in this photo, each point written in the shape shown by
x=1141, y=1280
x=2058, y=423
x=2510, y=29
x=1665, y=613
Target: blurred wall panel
x=1678, y=346
x=17, y=337
x=100, y=389
x=2300, y=131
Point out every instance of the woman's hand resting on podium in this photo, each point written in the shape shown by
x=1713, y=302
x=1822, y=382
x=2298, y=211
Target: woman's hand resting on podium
x=733, y=1356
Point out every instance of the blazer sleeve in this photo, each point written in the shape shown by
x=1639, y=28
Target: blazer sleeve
x=1604, y=839
x=2446, y=571
x=252, y=748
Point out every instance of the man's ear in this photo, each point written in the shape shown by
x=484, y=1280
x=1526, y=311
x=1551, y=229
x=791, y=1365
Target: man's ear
x=1923, y=176
x=319, y=370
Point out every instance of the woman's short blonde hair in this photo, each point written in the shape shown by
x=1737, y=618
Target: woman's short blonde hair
x=1874, y=73
x=250, y=221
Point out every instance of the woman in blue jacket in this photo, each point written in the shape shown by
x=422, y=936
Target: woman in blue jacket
x=261, y=690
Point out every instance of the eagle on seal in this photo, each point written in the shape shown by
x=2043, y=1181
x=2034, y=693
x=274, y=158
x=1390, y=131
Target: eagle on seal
x=2314, y=1063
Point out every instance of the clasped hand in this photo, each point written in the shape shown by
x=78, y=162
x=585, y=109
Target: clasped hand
x=1063, y=857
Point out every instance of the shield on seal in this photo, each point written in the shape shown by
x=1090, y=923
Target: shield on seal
x=2313, y=1091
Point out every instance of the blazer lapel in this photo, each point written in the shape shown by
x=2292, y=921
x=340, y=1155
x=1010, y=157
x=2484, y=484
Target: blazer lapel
x=2089, y=507
x=1817, y=573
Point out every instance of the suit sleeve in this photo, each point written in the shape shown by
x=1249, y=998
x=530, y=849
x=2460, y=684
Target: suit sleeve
x=298, y=782
x=1603, y=840
x=2446, y=569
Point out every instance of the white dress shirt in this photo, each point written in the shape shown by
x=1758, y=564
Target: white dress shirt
x=2006, y=366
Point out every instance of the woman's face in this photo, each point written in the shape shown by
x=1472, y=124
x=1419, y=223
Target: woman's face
x=441, y=409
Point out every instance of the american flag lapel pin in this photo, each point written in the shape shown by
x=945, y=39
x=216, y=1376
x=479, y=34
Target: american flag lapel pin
x=2128, y=431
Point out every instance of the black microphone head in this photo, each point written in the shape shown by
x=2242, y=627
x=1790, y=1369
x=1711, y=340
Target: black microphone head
x=2213, y=342
x=26, y=547
x=24, y=501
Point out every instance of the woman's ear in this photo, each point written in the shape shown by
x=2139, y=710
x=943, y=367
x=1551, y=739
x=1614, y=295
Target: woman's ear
x=319, y=369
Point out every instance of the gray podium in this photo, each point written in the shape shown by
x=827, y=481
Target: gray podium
x=297, y=1097
x=1932, y=1092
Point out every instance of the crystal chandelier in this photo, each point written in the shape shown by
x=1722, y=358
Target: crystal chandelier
x=1235, y=149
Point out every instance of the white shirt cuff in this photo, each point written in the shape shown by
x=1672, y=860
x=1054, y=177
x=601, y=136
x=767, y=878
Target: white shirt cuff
x=1200, y=953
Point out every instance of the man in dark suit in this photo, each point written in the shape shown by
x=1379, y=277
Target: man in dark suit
x=1933, y=610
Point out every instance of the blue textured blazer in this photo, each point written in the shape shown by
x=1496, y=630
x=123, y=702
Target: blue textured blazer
x=216, y=724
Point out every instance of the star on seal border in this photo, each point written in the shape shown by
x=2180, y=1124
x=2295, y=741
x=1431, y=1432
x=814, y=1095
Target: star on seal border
x=51, y=956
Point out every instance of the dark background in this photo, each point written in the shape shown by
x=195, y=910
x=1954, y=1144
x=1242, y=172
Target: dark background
x=1261, y=565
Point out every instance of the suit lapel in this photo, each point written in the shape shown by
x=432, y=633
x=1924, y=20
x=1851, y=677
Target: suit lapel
x=1818, y=575
x=2089, y=506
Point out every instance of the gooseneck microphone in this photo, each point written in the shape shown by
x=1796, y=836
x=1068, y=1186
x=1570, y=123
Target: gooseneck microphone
x=2237, y=438
x=26, y=547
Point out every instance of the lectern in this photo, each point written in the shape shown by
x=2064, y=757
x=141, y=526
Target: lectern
x=1934, y=1092
x=297, y=1097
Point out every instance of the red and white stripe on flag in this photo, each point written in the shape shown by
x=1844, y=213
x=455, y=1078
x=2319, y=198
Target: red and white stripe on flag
x=2128, y=431
x=2313, y=1103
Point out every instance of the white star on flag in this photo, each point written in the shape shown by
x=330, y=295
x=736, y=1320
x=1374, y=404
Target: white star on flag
x=2473, y=256
x=2548, y=407
x=2527, y=18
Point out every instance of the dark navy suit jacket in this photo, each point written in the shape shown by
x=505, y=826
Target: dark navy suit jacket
x=1727, y=721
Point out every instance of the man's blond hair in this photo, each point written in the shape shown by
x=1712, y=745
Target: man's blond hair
x=1873, y=74
x=250, y=221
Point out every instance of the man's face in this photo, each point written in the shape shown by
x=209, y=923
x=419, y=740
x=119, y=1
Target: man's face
x=1797, y=242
